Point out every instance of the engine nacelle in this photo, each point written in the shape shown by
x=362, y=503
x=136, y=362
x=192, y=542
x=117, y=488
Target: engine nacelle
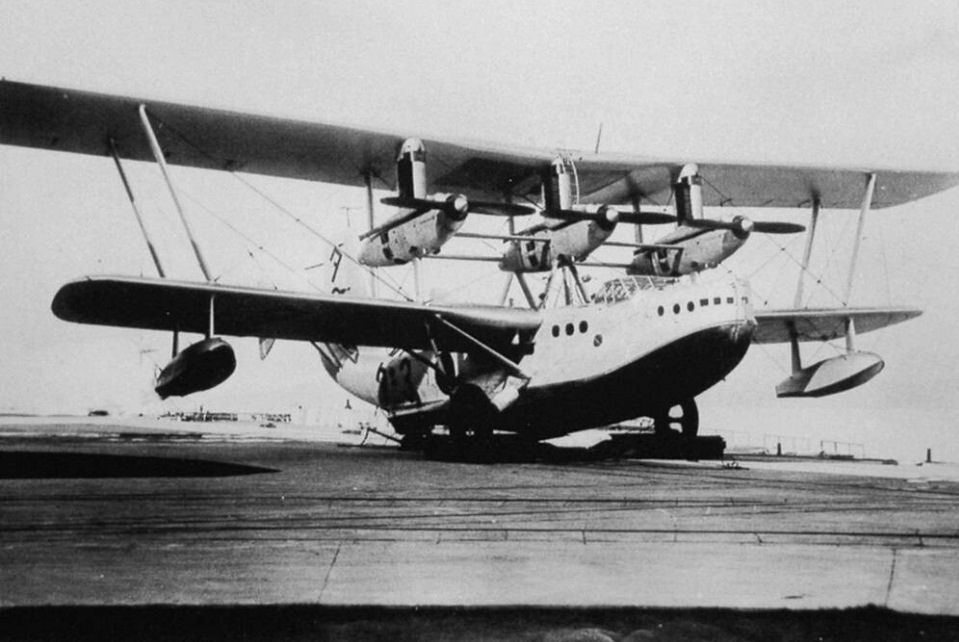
x=575, y=241
x=832, y=375
x=202, y=366
x=692, y=251
x=416, y=238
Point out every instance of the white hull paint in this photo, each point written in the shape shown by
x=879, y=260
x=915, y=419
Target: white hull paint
x=640, y=343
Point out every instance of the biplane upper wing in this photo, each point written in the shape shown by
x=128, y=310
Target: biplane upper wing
x=809, y=324
x=164, y=304
x=85, y=122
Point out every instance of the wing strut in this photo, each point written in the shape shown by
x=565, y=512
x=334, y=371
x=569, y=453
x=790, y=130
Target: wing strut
x=866, y=202
x=851, y=369
x=510, y=365
x=161, y=161
x=807, y=252
x=370, y=220
x=136, y=210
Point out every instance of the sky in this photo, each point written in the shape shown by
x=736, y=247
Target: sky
x=854, y=83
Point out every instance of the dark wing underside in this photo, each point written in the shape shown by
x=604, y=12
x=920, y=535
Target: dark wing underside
x=162, y=304
x=777, y=326
x=84, y=122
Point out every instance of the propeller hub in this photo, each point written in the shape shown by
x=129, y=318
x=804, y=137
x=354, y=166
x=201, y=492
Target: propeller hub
x=743, y=227
x=607, y=217
x=457, y=206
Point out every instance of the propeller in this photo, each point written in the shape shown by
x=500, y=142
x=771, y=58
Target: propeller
x=457, y=206
x=608, y=215
x=742, y=226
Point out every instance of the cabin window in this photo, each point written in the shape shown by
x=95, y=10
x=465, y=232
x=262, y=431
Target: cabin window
x=690, y=306
x=703, y=302
x=730, y=299
x=660, y=310
x=570, y=329
x=583, y=326
x=717, y=300
x=676, y=309
x=555, y=330
x=598, y=340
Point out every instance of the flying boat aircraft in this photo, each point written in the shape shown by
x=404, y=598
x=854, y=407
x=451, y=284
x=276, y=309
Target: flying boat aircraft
x=644, y=344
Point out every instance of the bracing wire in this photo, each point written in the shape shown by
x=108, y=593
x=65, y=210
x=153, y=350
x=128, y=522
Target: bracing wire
x=375, y=274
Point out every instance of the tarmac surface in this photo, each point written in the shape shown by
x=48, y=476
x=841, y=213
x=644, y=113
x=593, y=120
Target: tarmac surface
x=125, y=516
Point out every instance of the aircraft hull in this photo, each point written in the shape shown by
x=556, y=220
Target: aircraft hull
x=662, y=378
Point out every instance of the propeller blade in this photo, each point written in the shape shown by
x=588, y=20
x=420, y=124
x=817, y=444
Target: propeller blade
x=386, y=227
x=646, y=218
x=770, y=227
x=412, y=203
x=501, y=209
x=709, y=224
x=740, y=222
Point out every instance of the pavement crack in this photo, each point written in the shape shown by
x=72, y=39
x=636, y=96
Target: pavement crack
x=326, y=579
x=892, y=575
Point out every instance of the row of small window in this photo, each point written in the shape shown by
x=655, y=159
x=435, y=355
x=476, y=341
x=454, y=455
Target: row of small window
x=702, y=303
x=571, y=329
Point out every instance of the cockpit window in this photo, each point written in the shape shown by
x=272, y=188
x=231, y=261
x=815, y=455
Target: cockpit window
x=623, y=288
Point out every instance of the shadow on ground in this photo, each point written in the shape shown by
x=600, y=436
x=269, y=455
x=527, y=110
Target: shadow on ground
x=514, y=449
x=61, y=465
x=295, y=623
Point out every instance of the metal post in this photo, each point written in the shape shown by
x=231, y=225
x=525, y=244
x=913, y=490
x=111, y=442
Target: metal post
x=794, y=347
x=807, y=253
x=136, y=210
x=161, y=161
x=210, y=329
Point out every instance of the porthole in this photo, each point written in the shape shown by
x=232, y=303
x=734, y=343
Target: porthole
x=570, y=329
x=555, y=330
x=676, y=309
x=598, y=340
x=583, y=326
x=690, y=306
x=730, y=299
x=717, y=300
x=703, y=302
x=660, y=310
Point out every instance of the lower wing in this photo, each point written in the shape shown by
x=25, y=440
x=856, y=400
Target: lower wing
x=163, y=304
x=825, y=324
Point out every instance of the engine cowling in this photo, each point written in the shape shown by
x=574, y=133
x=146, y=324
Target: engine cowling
x=425, y=234
x=575, y=241
x=201, y=366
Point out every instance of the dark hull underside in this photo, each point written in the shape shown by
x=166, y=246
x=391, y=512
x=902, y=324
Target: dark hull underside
x=661, y=379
